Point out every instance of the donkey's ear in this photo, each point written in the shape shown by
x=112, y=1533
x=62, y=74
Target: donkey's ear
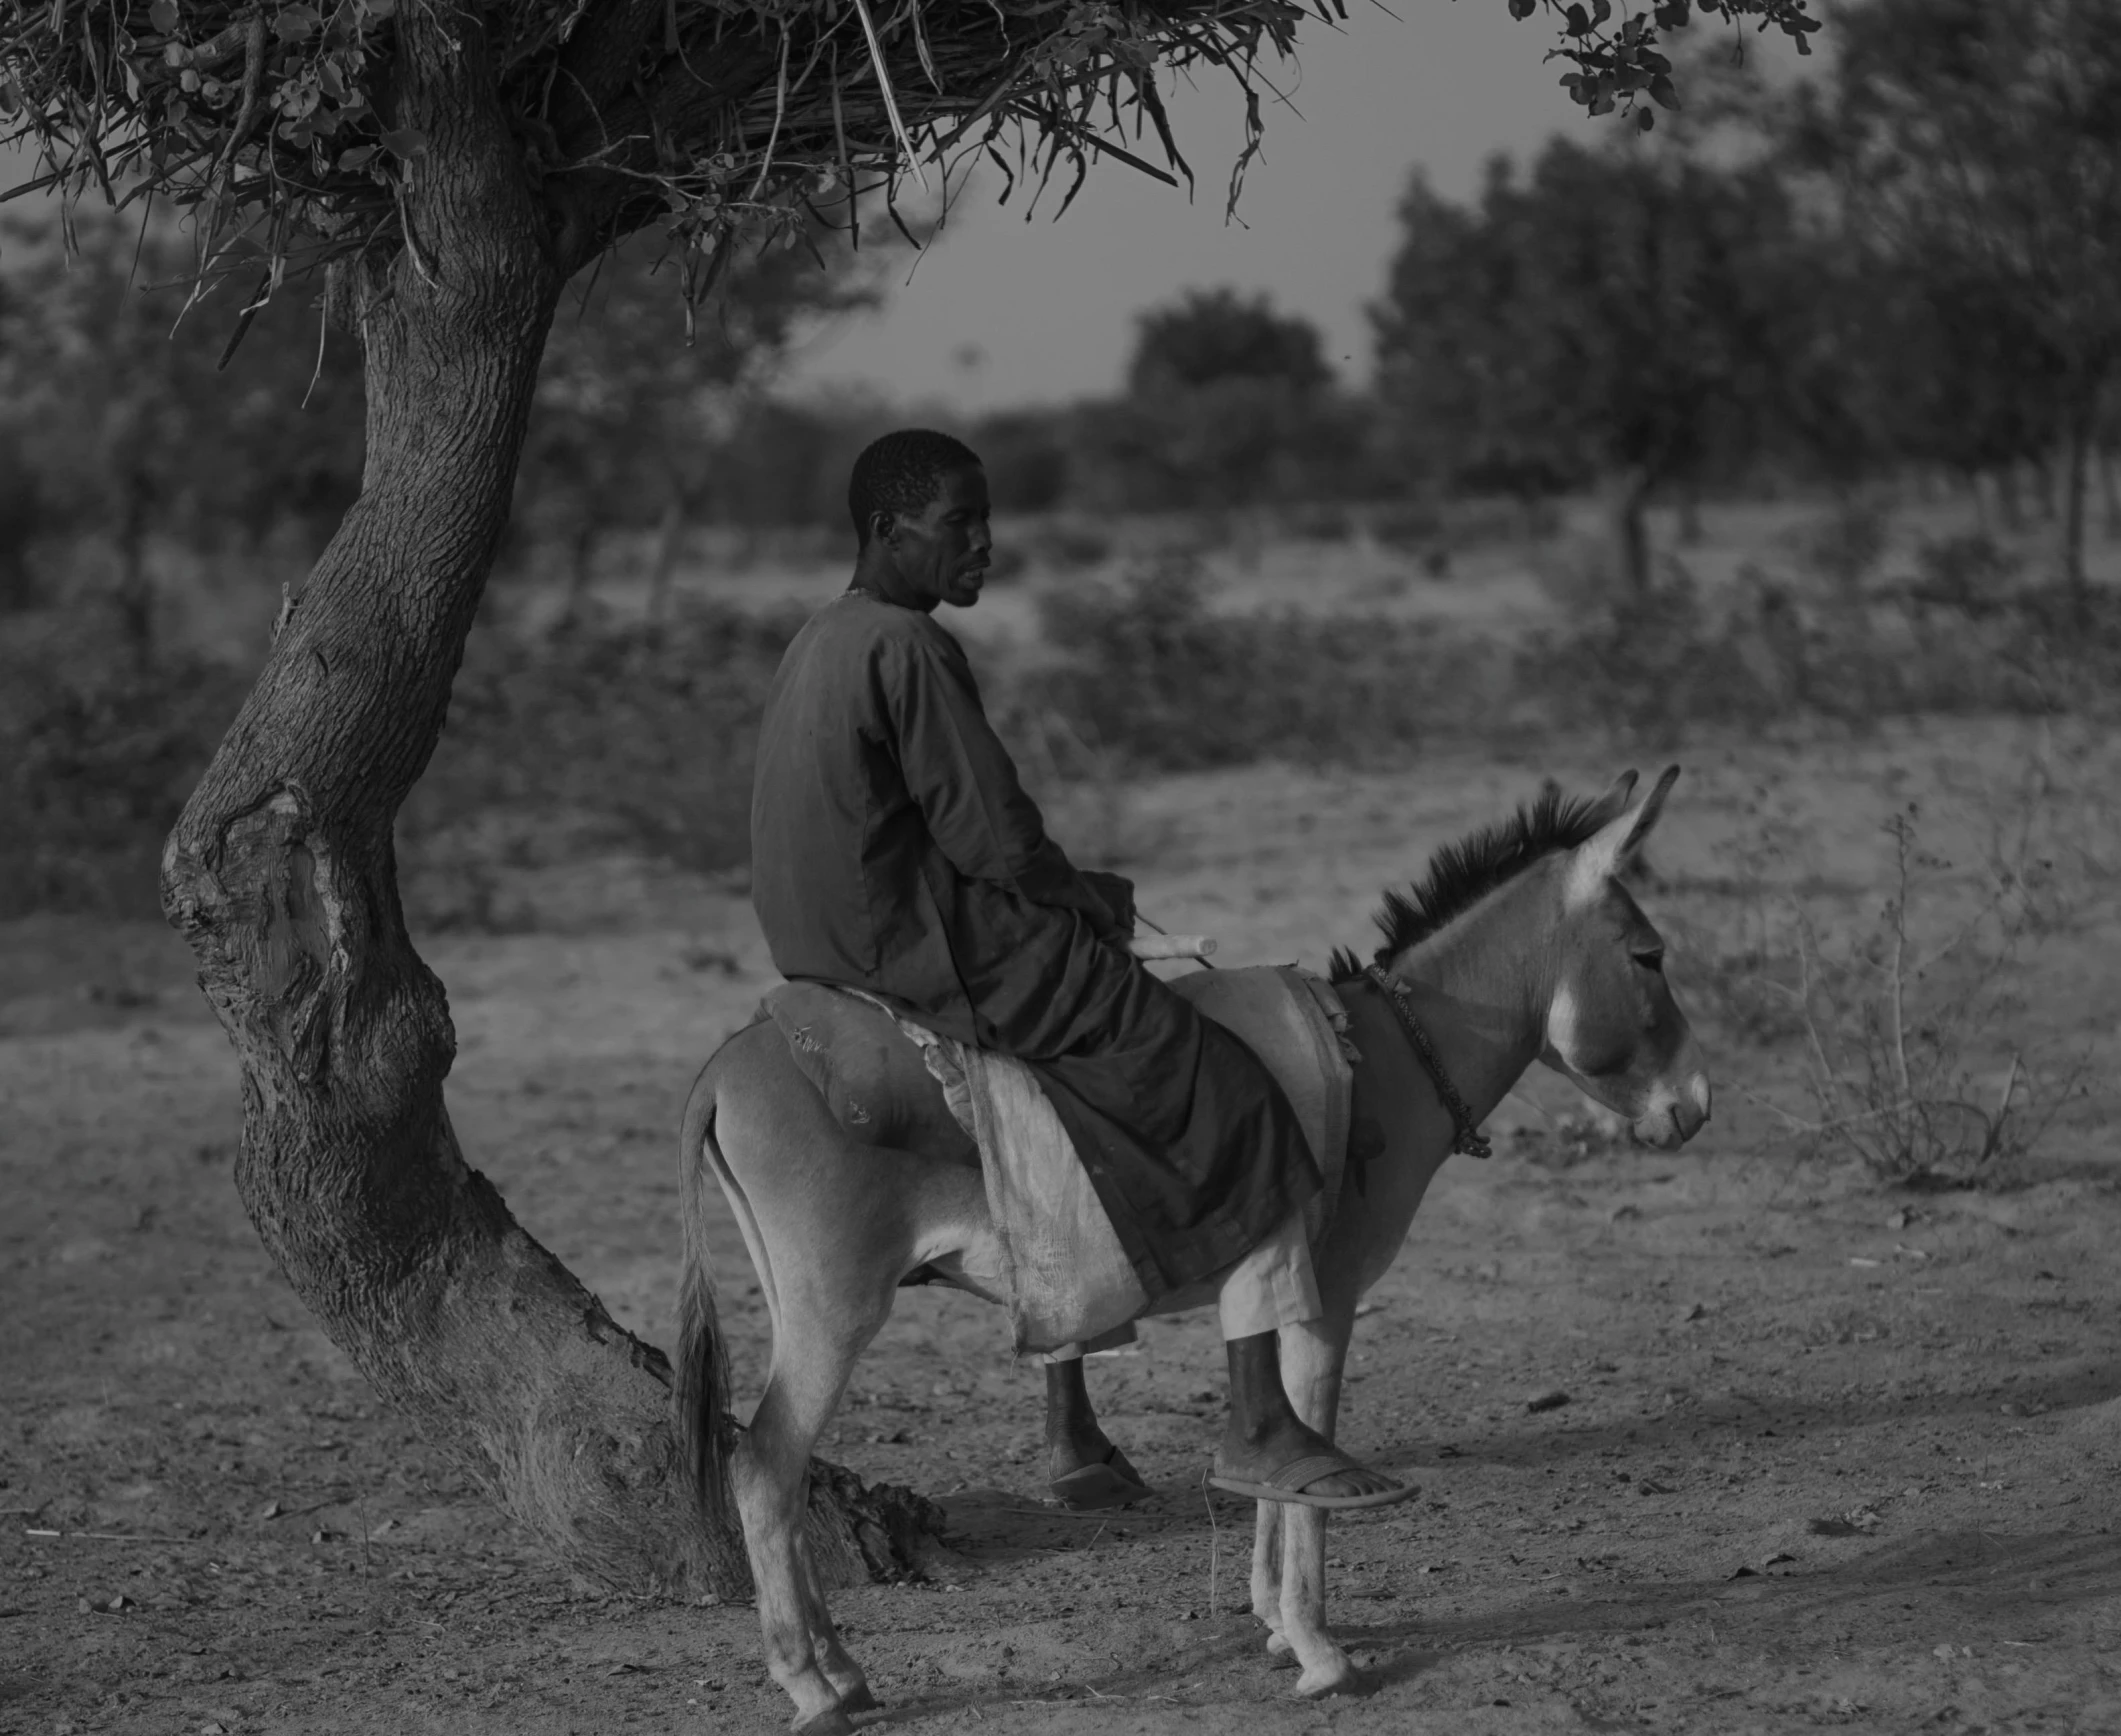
x=1646, y=817
x=1612, y=847
x=1614, y=802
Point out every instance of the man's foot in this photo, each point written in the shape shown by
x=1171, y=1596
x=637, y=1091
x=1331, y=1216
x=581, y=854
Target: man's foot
x=1293, y=1463
x=1083, y=1468
x=1268, y=1453
x=1106, y=1480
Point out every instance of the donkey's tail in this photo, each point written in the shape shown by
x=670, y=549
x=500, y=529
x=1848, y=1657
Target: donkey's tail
x=703, y=1424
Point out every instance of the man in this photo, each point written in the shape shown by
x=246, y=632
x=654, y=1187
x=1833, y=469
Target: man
x=894, y=850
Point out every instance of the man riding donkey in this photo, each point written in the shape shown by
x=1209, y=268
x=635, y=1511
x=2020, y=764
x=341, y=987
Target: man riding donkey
x=895, y=852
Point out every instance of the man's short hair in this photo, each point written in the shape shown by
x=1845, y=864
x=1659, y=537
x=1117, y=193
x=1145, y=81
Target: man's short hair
x=903, y=472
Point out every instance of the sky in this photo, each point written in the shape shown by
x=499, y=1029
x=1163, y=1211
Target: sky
x=1005, y=313
x=1002, y=312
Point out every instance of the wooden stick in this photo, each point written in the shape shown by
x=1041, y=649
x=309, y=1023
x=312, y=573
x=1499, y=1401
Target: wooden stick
x=1171, y=945
x=112, y=1536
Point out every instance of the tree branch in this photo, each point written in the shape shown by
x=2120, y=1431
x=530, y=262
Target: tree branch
x=604, y=195
x=595, y=67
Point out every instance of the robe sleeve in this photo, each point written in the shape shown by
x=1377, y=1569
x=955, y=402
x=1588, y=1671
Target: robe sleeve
x=957, y=770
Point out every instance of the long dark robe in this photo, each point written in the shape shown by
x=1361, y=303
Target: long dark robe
x=893, y=849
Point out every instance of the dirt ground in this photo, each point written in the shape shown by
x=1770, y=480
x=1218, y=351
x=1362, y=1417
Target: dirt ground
x=1831, y=1455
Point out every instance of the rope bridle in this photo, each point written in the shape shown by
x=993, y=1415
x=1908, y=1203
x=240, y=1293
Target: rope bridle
x=1467, y=1137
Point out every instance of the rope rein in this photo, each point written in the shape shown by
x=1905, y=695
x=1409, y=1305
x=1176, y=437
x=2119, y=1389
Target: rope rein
x=1468, y=1137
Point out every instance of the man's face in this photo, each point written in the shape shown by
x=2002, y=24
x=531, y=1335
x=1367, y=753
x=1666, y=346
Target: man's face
x=941, y=552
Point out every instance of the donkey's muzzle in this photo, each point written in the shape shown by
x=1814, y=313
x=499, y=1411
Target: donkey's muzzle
x=1675, y=1116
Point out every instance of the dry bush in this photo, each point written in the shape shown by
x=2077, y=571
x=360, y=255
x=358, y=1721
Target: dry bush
x=1907, y=1031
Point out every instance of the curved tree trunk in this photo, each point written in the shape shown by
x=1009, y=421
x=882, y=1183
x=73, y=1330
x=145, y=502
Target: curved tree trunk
x=281, y=876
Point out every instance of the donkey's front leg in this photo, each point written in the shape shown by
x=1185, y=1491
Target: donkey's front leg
x=1311, y=1358
x=1266, y=1578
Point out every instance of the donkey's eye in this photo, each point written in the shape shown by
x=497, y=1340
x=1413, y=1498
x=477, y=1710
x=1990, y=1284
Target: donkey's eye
x=1651, y=958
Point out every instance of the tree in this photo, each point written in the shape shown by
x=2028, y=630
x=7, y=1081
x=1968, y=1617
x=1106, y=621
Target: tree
x=634, y=417
x=1607, y=316
x=1981, y=147
x=451, y=168
x=1209, y=336
x=130, y=431
x=1228, y=403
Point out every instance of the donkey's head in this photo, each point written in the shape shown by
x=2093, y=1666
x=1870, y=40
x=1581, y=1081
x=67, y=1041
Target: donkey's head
x=1612, y=1025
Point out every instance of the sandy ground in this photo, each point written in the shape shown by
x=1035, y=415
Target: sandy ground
x=1831, y=1454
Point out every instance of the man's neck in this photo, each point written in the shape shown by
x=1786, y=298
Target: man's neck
x=877, y=579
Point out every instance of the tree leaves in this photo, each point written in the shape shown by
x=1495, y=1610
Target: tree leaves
x=1613, y=70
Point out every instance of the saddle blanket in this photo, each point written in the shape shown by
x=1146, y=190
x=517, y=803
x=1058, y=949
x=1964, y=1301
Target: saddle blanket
x=890, y=1081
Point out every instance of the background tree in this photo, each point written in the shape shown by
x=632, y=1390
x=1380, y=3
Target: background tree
x=1228, y=403
x=128, y=431
x=1981, y=147
x=1605, y=317
x=453, y=167
x=634, y=414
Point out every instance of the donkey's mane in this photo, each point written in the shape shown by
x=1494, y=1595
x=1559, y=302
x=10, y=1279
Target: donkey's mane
x=1460, y=875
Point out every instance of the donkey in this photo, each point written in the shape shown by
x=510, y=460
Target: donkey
x=1518, y=944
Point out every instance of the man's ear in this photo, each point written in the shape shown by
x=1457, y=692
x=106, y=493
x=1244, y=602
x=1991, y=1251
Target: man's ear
x=883, y=525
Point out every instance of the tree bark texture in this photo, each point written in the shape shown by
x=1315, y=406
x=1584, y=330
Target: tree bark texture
x=281, y=876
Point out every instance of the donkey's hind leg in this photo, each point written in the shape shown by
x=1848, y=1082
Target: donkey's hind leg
x=814, y=1350
x=841, y=1671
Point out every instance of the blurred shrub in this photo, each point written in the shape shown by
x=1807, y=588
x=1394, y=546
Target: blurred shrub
x=1970, y=571
x=1649, y=666
x=602, y=736
x=1148, y=671
x=1846, y=543
x=1659, y=665
x=1070, y=547
x=96, y=760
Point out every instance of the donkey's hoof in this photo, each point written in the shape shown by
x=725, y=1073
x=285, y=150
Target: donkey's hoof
x=1336, y=1675
x=1280, y=1652
x=832, y=1721
x=859, y=1699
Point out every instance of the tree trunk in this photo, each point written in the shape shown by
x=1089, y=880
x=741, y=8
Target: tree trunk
x=2076, y=458
x=135, y=593
x=281, y=876
x=1690, y=531
x=581, y=569
x=669, y=544
x=2010, y=504
x=1625, y=507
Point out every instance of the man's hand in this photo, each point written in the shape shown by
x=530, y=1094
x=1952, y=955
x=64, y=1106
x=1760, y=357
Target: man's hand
x=1117, y=894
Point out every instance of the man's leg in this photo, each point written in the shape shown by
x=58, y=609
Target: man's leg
x=1270, y=1288
x=1083, y=1468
